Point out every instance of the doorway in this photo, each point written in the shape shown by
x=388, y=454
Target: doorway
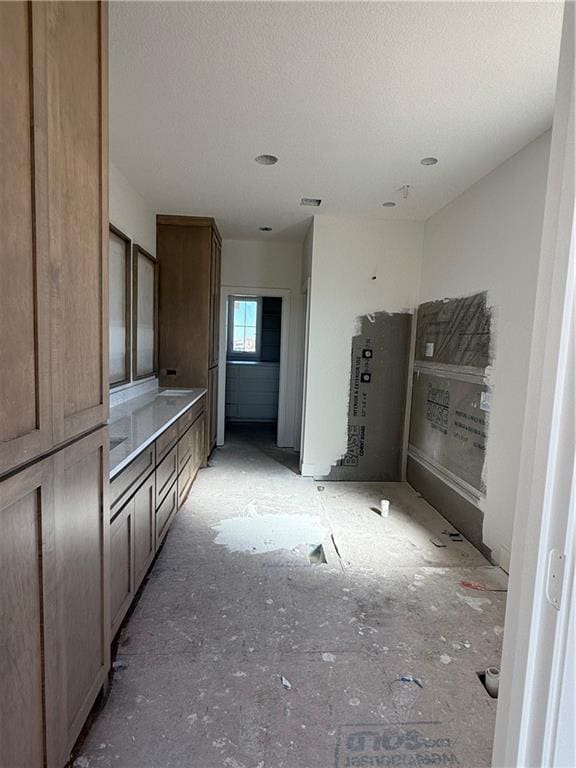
x=253, y=352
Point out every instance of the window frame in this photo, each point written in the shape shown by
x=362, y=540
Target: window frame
x=138, y=250
x=230, y=353
x=128, y=305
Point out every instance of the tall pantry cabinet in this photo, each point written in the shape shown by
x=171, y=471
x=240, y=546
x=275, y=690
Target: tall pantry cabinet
x=189, y=253
x=53, y=376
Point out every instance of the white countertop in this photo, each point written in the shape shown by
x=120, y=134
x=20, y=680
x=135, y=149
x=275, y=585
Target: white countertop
x=139, y=421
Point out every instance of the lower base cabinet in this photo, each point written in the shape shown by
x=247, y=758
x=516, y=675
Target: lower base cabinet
x=54, y=619
x=162, y=476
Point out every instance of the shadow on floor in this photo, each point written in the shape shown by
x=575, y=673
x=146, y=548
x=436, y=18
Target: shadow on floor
x=262, y=436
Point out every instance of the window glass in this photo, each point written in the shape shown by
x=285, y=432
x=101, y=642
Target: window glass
x=145, y=316
x=244, y=326
x=117, y=309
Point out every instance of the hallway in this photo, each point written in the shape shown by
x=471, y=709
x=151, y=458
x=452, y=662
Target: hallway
x=246, y=650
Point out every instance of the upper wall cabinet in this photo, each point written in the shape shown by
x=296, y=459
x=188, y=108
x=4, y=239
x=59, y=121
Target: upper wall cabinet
x=120, y=283
x=53, y=167
x=78, y=208
x=25, y=411
x=145, y=313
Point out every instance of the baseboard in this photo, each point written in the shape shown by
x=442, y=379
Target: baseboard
x=459, y=511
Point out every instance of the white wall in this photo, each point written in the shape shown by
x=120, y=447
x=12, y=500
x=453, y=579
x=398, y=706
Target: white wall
x=347, y=254
x=254, y=264
x=130, y=213
x=489, y=239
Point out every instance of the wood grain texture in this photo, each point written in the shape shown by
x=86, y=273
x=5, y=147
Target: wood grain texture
x=25, y=406
x=144, y=534
x=77, y=184
x=184, y=255
x=122, y=587
x=78, y=583
x=25, y=500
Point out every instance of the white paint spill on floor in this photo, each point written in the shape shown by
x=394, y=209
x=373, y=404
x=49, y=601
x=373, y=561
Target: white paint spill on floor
x=267, y=533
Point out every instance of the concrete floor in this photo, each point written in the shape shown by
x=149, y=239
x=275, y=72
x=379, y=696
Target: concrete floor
x=242, y=655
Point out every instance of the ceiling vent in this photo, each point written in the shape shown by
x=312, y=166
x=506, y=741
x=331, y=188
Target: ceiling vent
x=312, y=201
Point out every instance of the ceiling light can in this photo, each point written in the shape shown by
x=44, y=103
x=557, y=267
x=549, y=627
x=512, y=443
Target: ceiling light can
x=265, y=229
x=429, y=161
x=266, y=159
x=388, y=204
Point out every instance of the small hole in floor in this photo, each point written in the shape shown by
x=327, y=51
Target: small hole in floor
x=482, y=678
x=317, y=555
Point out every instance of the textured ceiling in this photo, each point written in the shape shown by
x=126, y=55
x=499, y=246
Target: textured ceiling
x=349, y=95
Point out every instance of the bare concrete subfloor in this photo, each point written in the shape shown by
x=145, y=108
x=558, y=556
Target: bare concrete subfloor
x=240, y=654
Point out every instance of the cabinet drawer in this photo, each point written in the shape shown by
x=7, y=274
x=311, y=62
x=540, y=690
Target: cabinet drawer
x=185, y=480
x=165, y=513
x=144, y=539
x=124, y=484
x=165, y=442
x=185, y=447
x=188, y=418
x=166, y=474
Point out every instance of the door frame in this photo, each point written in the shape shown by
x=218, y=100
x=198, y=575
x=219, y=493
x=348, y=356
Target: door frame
x=536, y=651
x=283, y=436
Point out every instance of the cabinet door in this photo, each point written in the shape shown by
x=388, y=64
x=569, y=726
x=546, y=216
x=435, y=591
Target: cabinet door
x=25, y=500
x=144, y=534
x=214, y=300
x=199, y=450
x=212, y=427
x=122, y=587
x=78, y=210
x=77, y=581
x=25, y=407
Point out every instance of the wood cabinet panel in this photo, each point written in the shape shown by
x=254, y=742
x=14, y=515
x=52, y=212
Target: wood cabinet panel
x=212, y=415
x=185, y=480
x=78, y=210
x=25, y=407
x=165, y=513
x=144, y=535
x=165, y=442
x=124, y=484
x=25, y=499
x=121, y=564
x=214, y=300
x=166, y=473
x=79, y=583
x=191, y=415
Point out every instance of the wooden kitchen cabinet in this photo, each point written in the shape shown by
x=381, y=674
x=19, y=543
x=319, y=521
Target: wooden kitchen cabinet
x=121, y=564
x=54, y=628
x=189, y=255
x=53, y=166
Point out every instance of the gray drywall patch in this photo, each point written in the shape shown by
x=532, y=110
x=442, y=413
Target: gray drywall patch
x=378, y=378
x=451, y=407
x=448, y=425
x=455, y=332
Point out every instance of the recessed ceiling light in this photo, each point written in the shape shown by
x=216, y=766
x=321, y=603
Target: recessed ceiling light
x=266, y=159
x=429, y=160
x=389, y=204
x=313, y=201
x=265, y=229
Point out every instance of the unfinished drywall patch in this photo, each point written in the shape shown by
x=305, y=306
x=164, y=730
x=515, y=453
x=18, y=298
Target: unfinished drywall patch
x=451, y=404
x=378, y=377
x=455, y=332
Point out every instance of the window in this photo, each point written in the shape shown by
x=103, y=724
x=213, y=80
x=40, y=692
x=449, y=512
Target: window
x=244, y=322
x=119, y=307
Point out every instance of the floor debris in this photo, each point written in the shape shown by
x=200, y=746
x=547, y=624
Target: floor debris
x=438, y=543
x=411, y=679
x=480, y=587
x=317, y=555
x=285, y=682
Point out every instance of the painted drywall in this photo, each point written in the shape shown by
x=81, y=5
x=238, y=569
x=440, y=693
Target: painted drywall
x=347, y=254
x=129, y=212
x=254, y=264
x=488, y=239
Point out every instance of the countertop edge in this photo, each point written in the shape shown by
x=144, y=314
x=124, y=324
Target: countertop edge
x=149, y=440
